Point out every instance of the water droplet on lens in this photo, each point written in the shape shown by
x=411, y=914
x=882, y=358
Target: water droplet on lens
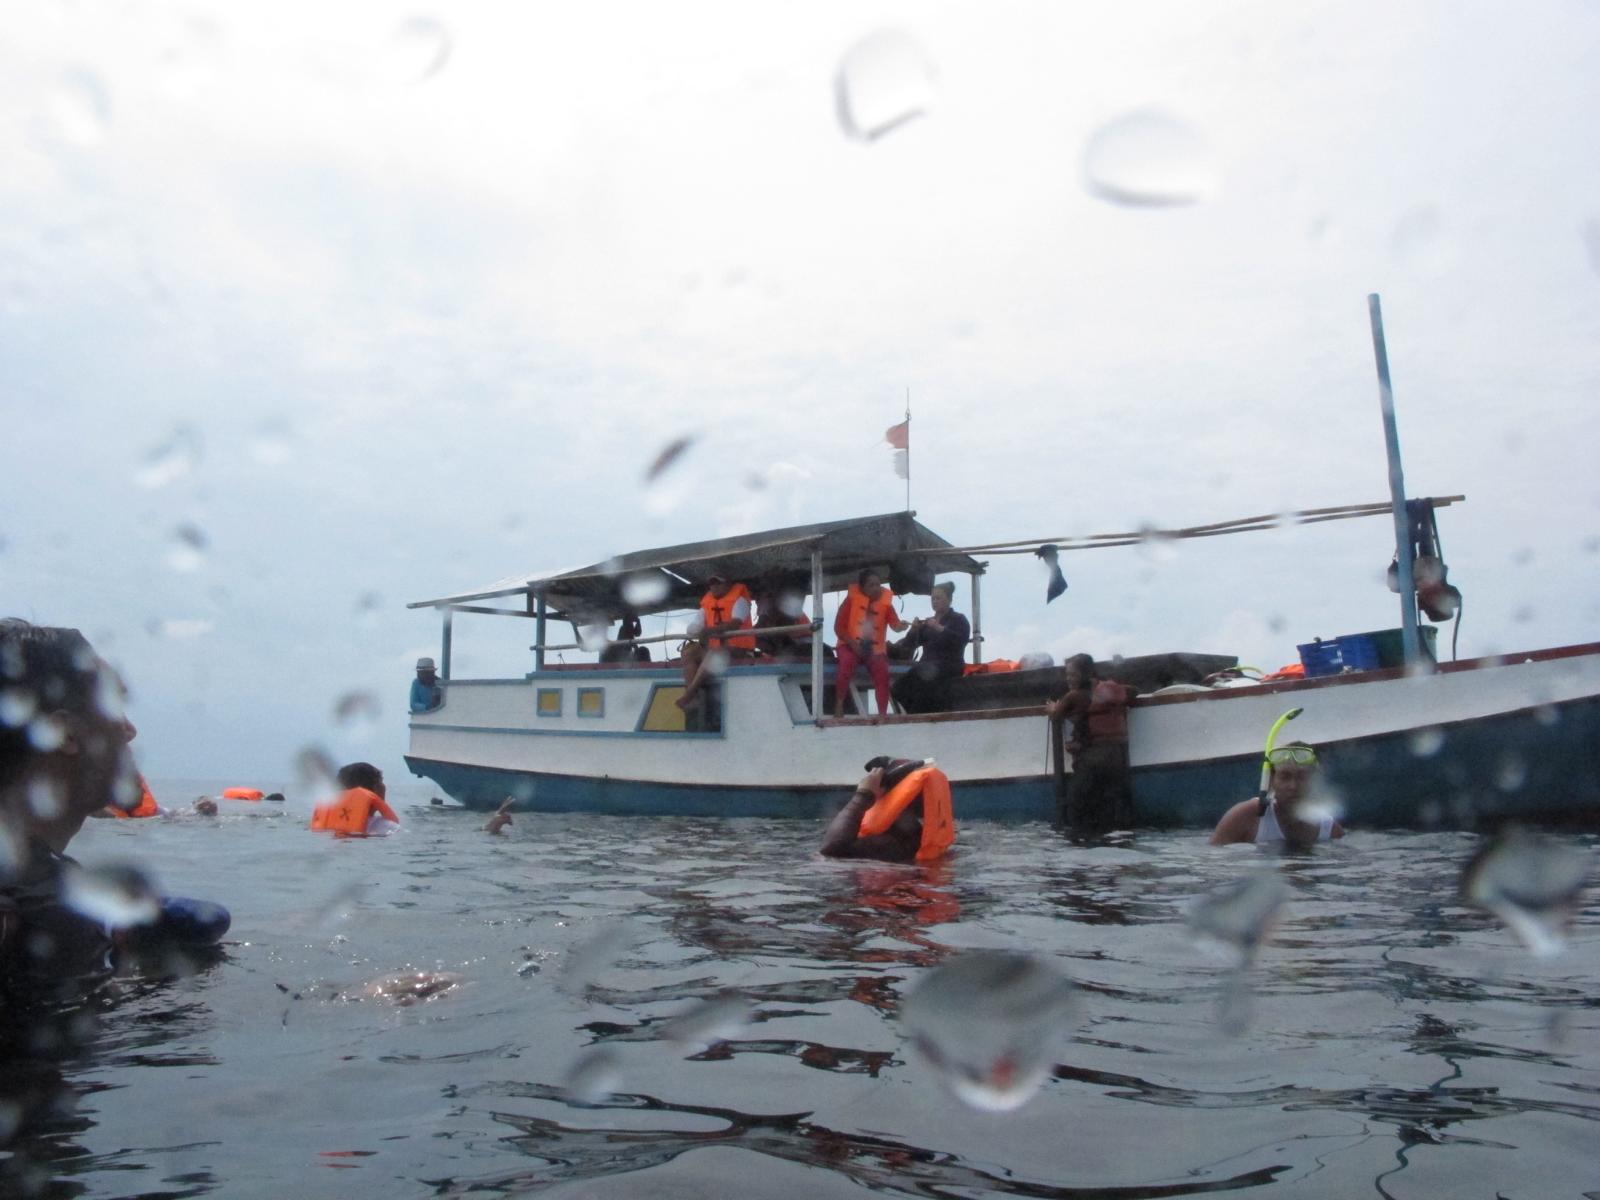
x=718, y=1019
x=315, y=769
x=1157, y=545
x=45, y=799
x=272, y=444
x=594, y=638
x=1149, y=158
x=1511, y=773
x=1591, y=239
x=589, y=957
x=116, y=896
x=80, y=108
x=17, y=706
x=1425, y=743
x=419, y=49
x=46, y=734
x=990, y=1023
x=186, y=549
x=593, y=1077
x=1532, y=882
x=884, y=80
x=1241, y=913
x=367, y=606
x=169, y=460
x=718, y=661
x=180, y=629
x=667, y=457
x=645, y=588
x=357, y=711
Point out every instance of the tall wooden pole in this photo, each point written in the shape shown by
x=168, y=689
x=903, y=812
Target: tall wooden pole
x=1415, y=659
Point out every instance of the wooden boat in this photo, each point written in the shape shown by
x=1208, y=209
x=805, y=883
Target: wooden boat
x=1463, y=744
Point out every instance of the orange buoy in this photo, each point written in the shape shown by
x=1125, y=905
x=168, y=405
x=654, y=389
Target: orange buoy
x=241, y=793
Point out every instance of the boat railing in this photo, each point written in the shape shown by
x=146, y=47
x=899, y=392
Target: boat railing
x=812, y=627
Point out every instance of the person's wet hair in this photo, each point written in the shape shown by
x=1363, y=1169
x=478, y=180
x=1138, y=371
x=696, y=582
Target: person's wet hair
x=1083, y=662
x=55, y=668
x=360, y=775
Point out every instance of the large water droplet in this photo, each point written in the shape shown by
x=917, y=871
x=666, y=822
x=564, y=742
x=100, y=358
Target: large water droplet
x=1532, y=882
x=272, y=444
x=1241, y=913
x=990, y=1023
x=1157, y=545
x=589, y=957
x=46, y=798
x=17, y=706
x=645, y=588
x=718, y=1019
x=115, y=895
x=357, y=711
x=315, y=769
x=169, y=460
x=419, y=49
x=1149, y=158
x=593, y=638
x=186, y=548
x=180, y=629
x=80, y=108
x=46, y=733
x=593, y=1077
x=884, y=80
x=1425, y=743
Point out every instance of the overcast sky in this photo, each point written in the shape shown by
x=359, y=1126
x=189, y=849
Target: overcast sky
x=303, y=317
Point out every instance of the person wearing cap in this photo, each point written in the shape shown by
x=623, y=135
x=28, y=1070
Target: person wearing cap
x=1282, y=815
x=942, y=640
x=426, y=694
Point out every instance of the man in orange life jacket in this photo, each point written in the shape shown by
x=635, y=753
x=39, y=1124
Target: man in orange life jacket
x=862, y=627
x=351, y=812
x=1098, y=796
x=724, y=609
x=900, y=812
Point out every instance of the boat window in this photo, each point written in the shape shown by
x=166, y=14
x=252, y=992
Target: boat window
x=591, y=702
x=549, y=702
x=661, y=711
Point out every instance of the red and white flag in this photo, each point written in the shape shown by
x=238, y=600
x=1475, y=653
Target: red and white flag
x=899, y=436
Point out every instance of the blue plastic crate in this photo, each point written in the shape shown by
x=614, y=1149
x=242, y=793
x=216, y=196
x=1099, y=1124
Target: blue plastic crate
x=1352, y=652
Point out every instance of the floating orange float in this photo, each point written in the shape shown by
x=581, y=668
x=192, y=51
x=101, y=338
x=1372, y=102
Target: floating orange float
x=239, y=793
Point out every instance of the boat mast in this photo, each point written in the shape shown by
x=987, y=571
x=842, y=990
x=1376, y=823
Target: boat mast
x=1415, y=660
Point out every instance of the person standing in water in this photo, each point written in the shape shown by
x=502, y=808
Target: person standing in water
x=1280, y=817
x=1098, y=795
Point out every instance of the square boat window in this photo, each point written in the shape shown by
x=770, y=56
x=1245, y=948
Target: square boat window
x=591, y=702
x=548, y=703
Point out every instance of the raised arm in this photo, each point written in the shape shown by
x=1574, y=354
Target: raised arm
x=843, y=830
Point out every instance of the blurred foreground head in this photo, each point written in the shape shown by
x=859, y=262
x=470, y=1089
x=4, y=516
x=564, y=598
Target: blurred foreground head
x=63, y=737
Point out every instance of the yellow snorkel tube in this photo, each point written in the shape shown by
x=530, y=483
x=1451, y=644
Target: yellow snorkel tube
x=1266, y=755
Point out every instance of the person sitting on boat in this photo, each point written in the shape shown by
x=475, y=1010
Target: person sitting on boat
x=1098, y=795
x=1280, y=816
x=361, y=810
x=426, y=694
x=621, y=648
x=779, y=607
x=942, y=640
x=724, y=609
x=862, y=627
x=900, y=812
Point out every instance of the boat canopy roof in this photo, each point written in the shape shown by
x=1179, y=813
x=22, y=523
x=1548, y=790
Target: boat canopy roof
x=674, y=577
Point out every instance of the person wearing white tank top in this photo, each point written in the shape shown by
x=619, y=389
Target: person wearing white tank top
x=1277, y=817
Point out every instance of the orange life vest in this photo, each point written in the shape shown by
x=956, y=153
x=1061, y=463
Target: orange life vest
x=719, y=611
x=147, y=806
x=241, y=793
x=348, y=812
x=853, y=613
x=932, y=786
x=995, y=666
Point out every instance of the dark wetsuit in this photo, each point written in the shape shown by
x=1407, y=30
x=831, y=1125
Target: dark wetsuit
x=49, y=951
x=926, y=686
x=842, y=838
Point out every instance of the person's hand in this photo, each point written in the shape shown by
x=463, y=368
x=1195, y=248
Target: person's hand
x=864, y=647
x=932, y=623
x=872, y=782
x=1052, y=709
x=497, y=822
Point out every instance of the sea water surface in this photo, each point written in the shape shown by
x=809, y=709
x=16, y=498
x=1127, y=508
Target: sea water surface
x=1395, y=1043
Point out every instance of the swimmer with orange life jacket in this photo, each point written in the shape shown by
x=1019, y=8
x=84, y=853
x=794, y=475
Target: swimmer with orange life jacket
x=361, y=810
x=900, y=812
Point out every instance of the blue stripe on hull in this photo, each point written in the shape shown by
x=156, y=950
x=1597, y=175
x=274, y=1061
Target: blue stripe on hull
x=1542, y=763
x=484, y=788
